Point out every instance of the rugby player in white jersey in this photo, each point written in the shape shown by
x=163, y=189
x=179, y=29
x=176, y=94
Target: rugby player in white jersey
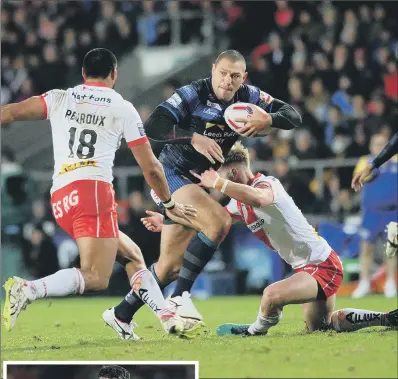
x=271, y=214
x=87, y=124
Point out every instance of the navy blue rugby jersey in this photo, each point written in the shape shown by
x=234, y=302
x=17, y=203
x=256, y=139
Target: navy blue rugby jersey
x=195, y=107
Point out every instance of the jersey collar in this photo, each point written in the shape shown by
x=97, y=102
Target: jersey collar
x=212, y=96
x=95, y=84
x=250, y=182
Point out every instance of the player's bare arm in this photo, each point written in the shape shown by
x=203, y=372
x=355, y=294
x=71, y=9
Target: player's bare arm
x=256, y=197
x=154, y=175
x=152, y=170
x=154, y=221
x=29, y=109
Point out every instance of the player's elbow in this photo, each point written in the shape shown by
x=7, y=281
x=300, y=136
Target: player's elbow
x=261, y=199
x=294, y=119
x=157, y=126
x=151, y=172
x=152, y=168
x=285, y=116
x=150, y=126
x=256, y=203
x=150, y=131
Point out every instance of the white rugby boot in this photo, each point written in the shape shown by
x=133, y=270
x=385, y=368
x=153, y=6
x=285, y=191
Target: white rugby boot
x=193, y=320
x=124, y=330
x=184, y=306
x=171, y=322
x=16, y=301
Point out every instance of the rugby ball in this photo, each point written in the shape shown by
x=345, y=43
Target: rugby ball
x=241, y=110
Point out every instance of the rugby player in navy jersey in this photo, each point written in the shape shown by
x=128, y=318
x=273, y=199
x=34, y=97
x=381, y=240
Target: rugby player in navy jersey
x=196, y=137
x=359, y=178
x=386, y=154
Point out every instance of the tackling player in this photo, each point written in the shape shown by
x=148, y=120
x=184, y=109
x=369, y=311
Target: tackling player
x=192, y=125
x=87, y=124
x=271, y=214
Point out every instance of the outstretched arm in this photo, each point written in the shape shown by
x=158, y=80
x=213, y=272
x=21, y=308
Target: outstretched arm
x=153, y=173
x=153, y=222
x=360, y=174
x=260, y=196
x=152, y=169
x=389, y=150
x=33, y=108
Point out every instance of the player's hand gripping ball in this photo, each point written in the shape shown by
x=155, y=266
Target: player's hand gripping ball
x=247, y=120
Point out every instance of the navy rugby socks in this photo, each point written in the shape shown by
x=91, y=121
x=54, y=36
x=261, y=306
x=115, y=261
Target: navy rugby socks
x=198, y=254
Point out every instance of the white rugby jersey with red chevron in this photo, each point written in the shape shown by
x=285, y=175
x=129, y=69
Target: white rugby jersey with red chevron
x=281, y=225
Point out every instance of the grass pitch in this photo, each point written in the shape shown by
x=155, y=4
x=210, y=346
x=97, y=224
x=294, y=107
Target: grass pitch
x=72, y=329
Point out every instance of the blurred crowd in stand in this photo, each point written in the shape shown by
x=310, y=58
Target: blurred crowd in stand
x=335, y=62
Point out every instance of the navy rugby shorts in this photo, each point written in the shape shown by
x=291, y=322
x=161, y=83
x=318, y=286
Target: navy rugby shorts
x=175, y=181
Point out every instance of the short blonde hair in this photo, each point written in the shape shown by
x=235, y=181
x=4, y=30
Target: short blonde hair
x=238, y=154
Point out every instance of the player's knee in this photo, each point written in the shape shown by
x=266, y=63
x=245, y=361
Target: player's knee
x=134, y=255
x=272, y=297
x=169, y=272
x=129, y=252
x=172, y=275
x=173, y=272
x=100, y=283
x=226, y=225
x=220, y=226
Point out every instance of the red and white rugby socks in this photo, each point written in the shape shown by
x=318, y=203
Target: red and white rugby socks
x=351, y=319
x=64, y=282
x=263, y=323
x=147, y=289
